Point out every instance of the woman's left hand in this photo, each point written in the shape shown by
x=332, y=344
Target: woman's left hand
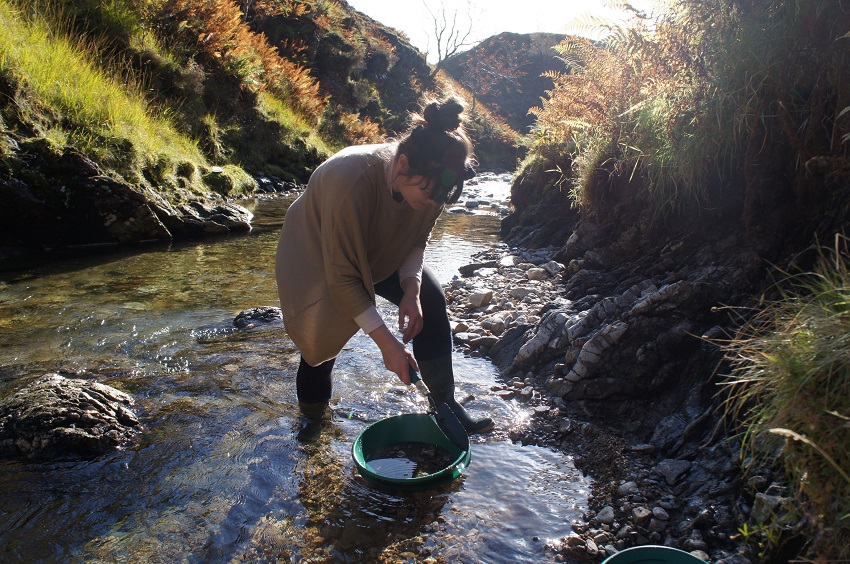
x=410, y=309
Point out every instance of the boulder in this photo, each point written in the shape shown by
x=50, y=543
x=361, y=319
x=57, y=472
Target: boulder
x=59, y=416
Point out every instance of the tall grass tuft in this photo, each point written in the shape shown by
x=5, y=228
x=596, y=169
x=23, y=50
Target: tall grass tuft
x=789, y=389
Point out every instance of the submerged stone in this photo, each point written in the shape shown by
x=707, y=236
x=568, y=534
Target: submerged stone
x=257, y=316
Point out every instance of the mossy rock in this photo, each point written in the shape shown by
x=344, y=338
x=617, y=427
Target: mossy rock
x=230, y=180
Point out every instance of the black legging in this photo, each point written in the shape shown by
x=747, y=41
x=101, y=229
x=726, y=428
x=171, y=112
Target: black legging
x=314, y=384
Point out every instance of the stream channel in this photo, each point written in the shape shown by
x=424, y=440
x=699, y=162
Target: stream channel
x=219, y=474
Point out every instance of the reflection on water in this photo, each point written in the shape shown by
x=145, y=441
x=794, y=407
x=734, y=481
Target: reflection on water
x=219, y=474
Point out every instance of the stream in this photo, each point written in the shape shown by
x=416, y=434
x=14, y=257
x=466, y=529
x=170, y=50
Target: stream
x=219, y=475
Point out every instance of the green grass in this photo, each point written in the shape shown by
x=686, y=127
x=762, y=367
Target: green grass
x=790, y=391
x=77, y=103
x=277, y=110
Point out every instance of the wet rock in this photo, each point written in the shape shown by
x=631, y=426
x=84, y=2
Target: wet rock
x=65, y=201
x=606, y=515
x=672, y=469
x=469, y=269
x=480, y=298
x=465, y=337
x=257, y=316
x=56, y=416
x=197, y=218
x=627, y=488
x=486, y=341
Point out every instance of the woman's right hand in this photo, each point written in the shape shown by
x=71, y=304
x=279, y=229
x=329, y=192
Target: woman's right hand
x=396, y=357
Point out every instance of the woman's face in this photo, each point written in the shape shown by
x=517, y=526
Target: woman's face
x=416, y=190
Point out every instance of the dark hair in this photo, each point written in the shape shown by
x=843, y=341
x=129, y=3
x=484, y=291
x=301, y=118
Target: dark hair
x=438, y=148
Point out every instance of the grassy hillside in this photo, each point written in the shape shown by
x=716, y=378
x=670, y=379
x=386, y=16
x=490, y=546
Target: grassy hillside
x=99, y=79
x=178, y=100
x=223, y=93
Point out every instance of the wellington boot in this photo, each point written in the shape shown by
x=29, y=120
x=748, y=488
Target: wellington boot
x=439, y=377
x=314, y=416
x=472, y=426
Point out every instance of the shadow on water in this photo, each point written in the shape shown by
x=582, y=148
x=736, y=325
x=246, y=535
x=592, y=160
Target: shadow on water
x=219, y=474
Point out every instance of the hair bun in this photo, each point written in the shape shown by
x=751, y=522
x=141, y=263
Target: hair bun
x=445, y=115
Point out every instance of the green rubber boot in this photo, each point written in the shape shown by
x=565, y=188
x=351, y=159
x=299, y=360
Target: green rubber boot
x=314, y=417
x=439, y=377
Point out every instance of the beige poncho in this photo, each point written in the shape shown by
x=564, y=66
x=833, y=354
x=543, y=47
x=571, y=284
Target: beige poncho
x=341, y=236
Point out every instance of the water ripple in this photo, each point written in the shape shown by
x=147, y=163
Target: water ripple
x=223, y=471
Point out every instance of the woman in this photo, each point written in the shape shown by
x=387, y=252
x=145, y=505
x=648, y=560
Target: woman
x=359, y=230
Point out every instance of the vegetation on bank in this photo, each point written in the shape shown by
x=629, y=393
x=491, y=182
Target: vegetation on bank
x=67, y=100
x=790, y=384
x=98, y=78
x=711, y=103
x=740, y=110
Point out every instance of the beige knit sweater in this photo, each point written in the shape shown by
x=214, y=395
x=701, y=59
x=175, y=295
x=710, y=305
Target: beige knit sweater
x=341, y=236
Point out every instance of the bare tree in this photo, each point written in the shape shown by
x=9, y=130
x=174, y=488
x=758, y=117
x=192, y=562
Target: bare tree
x=451, y=30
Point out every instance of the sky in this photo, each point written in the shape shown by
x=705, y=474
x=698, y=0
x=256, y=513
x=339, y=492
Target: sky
x=490, y=17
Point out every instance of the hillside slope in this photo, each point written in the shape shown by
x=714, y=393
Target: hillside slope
x=130, y=121
x=362, y=67
x=505, y=72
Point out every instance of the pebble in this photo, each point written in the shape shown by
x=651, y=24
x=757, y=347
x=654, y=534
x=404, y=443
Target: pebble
x=659, y=513
x=606, y=515
x=627, y=488
x=641, y=513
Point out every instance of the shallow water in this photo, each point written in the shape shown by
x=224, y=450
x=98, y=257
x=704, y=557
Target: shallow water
x=220, y=475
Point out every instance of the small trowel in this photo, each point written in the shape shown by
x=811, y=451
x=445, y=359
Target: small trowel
x=445, y=417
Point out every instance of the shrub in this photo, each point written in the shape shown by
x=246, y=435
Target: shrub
x=341, y=128
x=216, y=32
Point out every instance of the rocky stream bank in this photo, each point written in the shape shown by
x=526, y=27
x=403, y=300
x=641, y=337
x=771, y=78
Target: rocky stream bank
x=659, y=475
x=66, y=204
x=614, y=338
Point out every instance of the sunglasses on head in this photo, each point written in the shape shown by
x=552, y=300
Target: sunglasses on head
x=450, y=183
